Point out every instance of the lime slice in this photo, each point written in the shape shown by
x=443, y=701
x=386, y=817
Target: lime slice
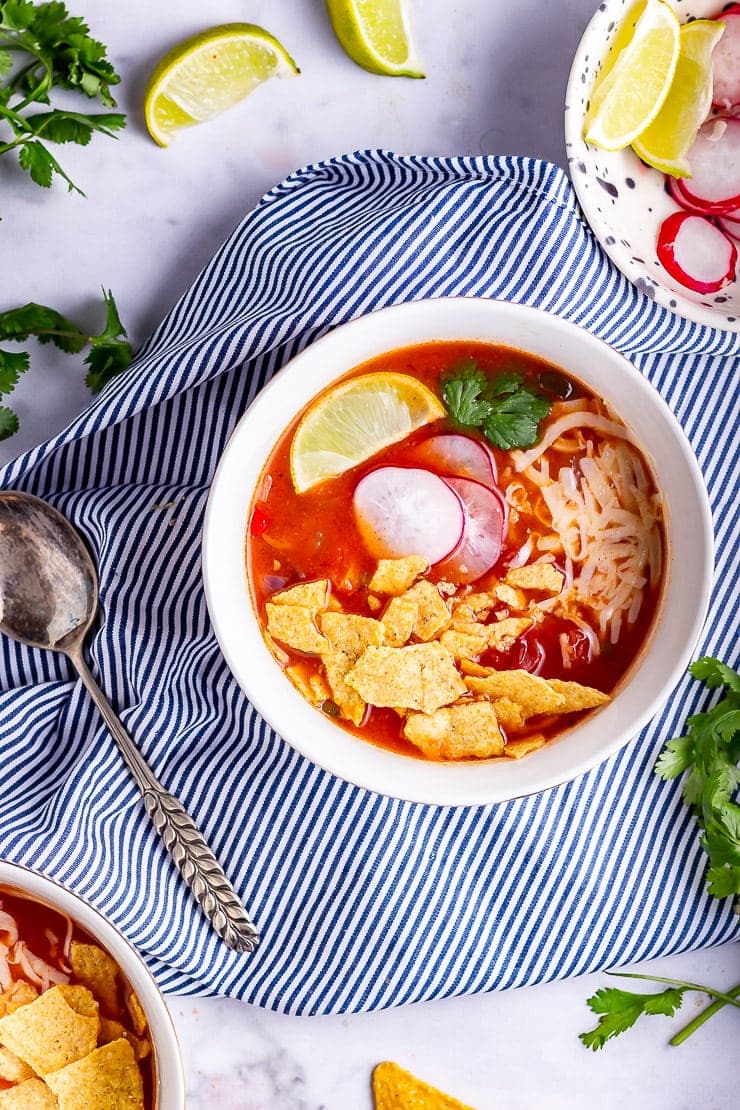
x=376, y=34
x=668, y=139
x=208, y=73
x=629, y=97
x=356, y=419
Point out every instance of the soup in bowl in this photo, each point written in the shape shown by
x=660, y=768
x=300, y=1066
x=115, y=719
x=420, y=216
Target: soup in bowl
x=441, y=540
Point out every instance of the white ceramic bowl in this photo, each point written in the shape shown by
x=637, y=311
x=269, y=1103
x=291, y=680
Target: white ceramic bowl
x=169, y=1081
x=623, y=200
x=685, y=596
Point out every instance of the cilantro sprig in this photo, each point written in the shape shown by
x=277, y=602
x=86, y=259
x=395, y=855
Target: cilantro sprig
x=506, y=410
x=708, y=754
x=43, y=48
x=109, y=353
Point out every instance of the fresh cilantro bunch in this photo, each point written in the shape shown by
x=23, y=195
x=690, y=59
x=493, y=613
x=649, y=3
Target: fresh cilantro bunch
x=507, y=412
x=708, y=754
x=42, y=48
x=110, y=352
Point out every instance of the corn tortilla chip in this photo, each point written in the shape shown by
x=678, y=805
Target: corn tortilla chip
x=112, y=1030
x=31, y=1095
x=509, y=713
x=309, y=595
x=502, y=634
x=397, y=1089
x=576, y=696
x=463, y=645
x=465, y=731
x=394, y=576
x=399, y=621
x=294, y=626
x=536, y=576
x=347, y=636
x=12, y=1068
x=469, y=666
x=96, y=970
x=136, y=1013
x=533, y=694
x=517, y=749
x=420, y=676
x=434, y=616
x=51, y=1031
x=107, y=1079
x=510, y=596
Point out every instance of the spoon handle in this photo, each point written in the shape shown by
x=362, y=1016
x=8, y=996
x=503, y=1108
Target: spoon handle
x=190, y=853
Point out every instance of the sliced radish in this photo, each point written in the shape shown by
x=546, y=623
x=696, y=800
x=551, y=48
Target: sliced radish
x=730, y=226
x=404, y=511
x=696, y=253
x=726, y=61
x=676, y=192
x=714, y=158
x=483, y=535
x=459, y=456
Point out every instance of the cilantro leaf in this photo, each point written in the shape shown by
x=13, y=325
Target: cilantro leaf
x=507, y=412
x=713, y=673
x=110, y=351
x=619, y=1010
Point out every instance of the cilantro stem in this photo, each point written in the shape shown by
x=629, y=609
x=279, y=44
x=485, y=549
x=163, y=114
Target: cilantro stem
x=726, y=999
x=705, y=1015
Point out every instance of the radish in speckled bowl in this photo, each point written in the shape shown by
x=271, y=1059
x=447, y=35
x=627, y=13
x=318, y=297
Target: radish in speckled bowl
x=677, y=243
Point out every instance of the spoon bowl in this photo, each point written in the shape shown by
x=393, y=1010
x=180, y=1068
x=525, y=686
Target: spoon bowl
x=49, y=600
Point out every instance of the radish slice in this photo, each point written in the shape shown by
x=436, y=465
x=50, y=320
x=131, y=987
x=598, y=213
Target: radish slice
x=696, y=253
x=403, y=511
x=715, y=166
x=458, y=455
x=676, y=193
x=483, y=536
x=726, y=62
x=730, y=227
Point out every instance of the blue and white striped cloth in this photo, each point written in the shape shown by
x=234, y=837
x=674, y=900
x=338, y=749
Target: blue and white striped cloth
x=363, y=901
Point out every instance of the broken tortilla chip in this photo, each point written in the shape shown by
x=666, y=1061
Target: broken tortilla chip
x=106, y=1079
x=96, y=970
x=532, y=693
x=536, y=576
x=57, y=1028
x=420, y=676
x=517, y=749
x=111, y=1030
x=294, y=626
x=434, y=616
x=12, y=1068
x=463, y=645
x=502, y=634
x=309, y=595
x=576, y=696
x=399, y=621
x=347, y=636
x=394, y=576
x=397, y=1089
x=465, y=731
x=136, y=1013
x=509, y=713
x=510, y=596
x=31, y=1095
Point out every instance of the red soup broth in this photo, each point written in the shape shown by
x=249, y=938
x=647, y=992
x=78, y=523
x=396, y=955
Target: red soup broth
x=47, y=935
x=295, y=537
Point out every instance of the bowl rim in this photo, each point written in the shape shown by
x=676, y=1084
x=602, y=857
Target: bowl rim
x=169, y=1076
x=597, y=32
x=444, y=786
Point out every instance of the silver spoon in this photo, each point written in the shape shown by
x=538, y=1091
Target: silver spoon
x=48, y=599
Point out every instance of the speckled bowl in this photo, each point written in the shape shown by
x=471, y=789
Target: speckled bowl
x=624, y=200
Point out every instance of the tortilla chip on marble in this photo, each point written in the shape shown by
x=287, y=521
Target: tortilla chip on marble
x=294, y=626
x=33, y=1094
x=107, y=1079
x=309, y=595
x=97, y=971
x=543, y=577
x=397, y=1089
x=576, y=696
x=532, y=693
x=12, y=1068
x=466, y=731
x=57, y=1028
x=394, y=576
x=420, y=676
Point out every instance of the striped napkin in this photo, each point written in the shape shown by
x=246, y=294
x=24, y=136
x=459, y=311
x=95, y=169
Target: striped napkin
x=363, y=901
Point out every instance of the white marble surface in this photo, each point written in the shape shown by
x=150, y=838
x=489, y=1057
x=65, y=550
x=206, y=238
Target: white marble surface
x=151, y=219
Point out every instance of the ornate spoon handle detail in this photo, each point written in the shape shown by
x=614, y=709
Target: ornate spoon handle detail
x=190, y=853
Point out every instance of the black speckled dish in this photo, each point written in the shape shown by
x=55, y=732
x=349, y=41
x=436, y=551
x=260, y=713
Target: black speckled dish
x=623, y=200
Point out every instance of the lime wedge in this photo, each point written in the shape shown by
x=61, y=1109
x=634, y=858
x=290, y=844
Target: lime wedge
x=633, y=91
x=376, y=34
x=208, y=73
x=356, y=419
x=668, y=139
